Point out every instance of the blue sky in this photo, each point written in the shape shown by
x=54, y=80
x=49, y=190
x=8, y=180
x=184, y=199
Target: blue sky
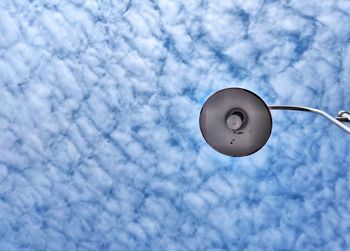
x=100, y=147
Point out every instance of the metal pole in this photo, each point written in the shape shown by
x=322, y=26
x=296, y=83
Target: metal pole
x=342, y=116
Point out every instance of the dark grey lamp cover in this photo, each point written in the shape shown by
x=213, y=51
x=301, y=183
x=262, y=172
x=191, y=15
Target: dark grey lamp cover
x=235, y=122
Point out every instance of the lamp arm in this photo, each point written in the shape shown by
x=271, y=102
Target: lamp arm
x=342, y=115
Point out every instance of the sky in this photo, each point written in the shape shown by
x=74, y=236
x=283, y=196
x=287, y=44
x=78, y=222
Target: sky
x=100, y=147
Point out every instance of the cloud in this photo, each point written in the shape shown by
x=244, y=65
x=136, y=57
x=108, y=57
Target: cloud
x=100, y=147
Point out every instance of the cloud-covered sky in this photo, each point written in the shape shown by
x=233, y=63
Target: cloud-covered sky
x=100, y=147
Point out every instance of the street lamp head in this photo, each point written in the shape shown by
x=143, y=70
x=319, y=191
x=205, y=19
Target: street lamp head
x=235, y=122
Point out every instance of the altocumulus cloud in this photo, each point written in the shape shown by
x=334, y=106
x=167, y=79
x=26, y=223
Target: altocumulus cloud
x=99, y=141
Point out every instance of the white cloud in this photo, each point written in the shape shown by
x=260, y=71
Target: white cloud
x=100, y=147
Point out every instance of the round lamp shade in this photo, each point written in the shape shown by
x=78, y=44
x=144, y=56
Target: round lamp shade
x=235, y=122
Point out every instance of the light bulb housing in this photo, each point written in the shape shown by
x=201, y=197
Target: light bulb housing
x=235, y=122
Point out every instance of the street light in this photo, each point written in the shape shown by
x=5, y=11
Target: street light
x=237, y=122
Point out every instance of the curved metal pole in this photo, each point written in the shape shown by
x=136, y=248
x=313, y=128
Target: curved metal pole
x=342, y=116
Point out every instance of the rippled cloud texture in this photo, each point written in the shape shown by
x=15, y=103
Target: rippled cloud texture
x=100, y=147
